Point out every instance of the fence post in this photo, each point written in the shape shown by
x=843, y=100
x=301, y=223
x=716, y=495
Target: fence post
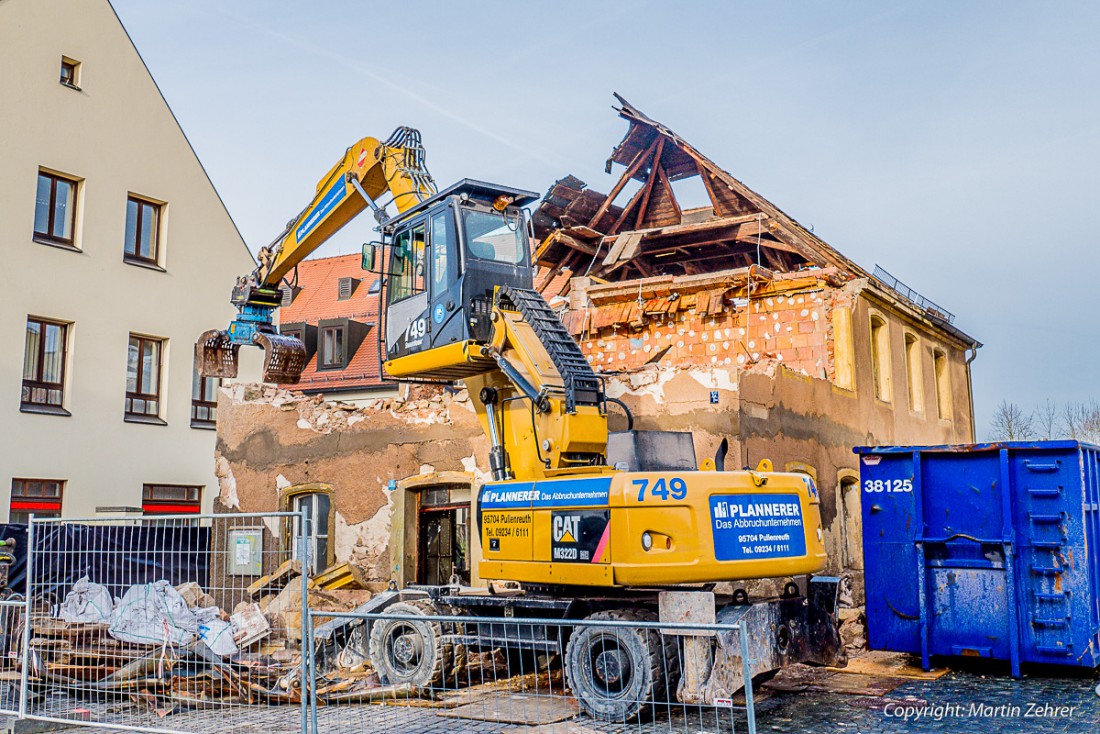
x=750, y=709
x=28, y=576
x=305, y=640
x=312, y=672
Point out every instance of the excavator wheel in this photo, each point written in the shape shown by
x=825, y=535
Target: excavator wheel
x=411, y=649
x=619, y=673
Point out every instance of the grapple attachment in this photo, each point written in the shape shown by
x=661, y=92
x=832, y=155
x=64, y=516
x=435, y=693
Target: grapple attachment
x=216, y=354
x=284, y=356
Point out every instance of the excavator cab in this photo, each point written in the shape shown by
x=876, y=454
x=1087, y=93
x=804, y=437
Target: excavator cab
x=445, y=257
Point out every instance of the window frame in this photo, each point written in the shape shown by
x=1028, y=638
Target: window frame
x=941, y=371
x=46, y=506
x=322, y=361
x=185, y=508
x=403, y=286
x=145, y=417
x=914, y=372
x=135, y=257
x=48, y=237
x=203, y=402
x=288, y=499
x=881, y=377
x=30, y=406
x=74, y=81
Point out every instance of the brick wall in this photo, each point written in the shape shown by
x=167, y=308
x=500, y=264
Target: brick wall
x=786, y=321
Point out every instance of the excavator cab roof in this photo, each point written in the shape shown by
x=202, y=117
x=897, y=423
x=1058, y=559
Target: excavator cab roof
x=479, y=190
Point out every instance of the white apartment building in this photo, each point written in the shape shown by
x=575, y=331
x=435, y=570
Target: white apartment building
x=117, y=253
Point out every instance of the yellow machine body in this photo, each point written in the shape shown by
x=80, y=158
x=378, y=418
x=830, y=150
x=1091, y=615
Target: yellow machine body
x=645, y=529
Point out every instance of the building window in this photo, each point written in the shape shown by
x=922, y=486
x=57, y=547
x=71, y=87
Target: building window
x=880, y=357
x=143, y=368
x=55, y=209
x=333, y=347
x=70, y=72
x=44, y=367
x=914, y=374
x=943, y=383
x=843, y=352
x=171, y=499
x=38, y=497
x=317, y=507
x=204, y=400
x=142, y=231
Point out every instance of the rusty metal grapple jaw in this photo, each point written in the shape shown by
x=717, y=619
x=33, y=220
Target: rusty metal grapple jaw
x=217, y=354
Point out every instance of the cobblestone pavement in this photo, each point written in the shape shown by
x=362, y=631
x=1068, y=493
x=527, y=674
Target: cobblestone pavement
x=960, y=703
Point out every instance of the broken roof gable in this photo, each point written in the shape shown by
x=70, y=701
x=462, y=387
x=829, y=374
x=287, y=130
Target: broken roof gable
x=651, y=234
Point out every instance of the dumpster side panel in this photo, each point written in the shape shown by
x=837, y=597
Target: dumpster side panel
x=890, y=522
x=999, y=542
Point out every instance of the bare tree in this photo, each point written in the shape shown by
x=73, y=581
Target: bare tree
x=1047, y=419
x=1081, y=421
x=1011, y=423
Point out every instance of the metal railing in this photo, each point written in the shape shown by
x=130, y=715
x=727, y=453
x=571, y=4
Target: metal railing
x=154, y=624
x=911, y=295
x=410, y=670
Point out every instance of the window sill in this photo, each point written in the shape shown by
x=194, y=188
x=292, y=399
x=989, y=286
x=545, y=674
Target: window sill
x=143, y=264
x=43, y=240
x=204, y=425
x=151, y=420
x=42, y=409
x=71, y=86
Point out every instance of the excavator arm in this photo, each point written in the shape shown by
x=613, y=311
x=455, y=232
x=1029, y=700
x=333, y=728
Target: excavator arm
x=368, y=171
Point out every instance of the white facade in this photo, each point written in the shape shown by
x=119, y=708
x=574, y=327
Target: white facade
x=113, y=133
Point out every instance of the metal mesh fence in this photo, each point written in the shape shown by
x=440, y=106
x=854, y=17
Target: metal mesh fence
x=11, y=659
x=413, y=670
x=152, y=623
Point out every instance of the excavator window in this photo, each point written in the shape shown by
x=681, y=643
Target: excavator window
x=440, y=249
x=494, y=236
x=407, y=272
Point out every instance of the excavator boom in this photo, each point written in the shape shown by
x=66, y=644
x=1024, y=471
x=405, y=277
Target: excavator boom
x=368, y=171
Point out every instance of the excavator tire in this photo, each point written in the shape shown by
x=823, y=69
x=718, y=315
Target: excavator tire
x=410, y=650
x=618, y=673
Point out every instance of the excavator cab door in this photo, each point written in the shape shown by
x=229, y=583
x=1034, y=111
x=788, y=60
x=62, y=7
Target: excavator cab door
x=407, y=292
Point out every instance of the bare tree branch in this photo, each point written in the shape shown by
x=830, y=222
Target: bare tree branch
x=1011, y=423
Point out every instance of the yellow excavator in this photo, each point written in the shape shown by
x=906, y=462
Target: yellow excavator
x=624, y=526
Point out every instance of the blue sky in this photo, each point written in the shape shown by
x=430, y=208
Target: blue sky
x=955, y=144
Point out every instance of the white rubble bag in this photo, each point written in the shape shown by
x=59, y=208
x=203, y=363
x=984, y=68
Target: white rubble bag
x=156, y=613
x=87, y=602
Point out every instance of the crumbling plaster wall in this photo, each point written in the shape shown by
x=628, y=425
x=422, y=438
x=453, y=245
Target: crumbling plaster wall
x=270, y=438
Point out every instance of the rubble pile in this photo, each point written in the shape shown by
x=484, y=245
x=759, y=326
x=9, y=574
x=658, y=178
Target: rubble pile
x=169, y=648
x=426, y=405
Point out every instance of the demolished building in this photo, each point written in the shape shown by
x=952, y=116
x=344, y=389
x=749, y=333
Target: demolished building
x=732, y=321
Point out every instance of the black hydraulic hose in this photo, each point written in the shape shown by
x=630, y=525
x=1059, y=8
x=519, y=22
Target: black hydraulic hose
x=629, y=415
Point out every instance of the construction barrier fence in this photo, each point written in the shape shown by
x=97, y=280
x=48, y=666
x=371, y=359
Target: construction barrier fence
x=195, y=625
x=152, y=623
x=419, y=672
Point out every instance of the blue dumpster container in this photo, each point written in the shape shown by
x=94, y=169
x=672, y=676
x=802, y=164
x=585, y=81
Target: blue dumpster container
x=990, y=550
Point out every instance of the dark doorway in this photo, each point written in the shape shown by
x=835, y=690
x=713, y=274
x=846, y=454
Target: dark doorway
x=443, y=533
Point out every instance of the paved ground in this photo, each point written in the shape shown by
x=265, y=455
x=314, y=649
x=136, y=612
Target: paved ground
x=961, y=702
